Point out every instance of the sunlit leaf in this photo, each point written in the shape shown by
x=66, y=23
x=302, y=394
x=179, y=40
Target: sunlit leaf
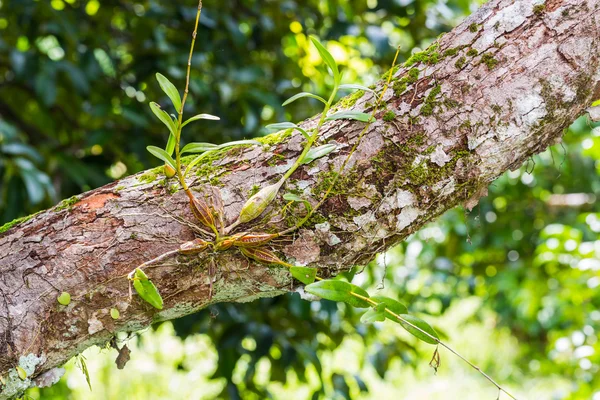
x=419, y=323
x=280, y=126
x=393, y=305
x=352, y=86
x=287, y=125
x=296, y=198
x=198, y=147
x=64, y=298
x=374, y=314
x=350, y=114
x=328, y=59
x=170, y=90
x=200, y=116
x=114, y=313
x=239, y=143
x=21, y=372
x=146, y=289
x=164, y=117
x=162, y=155
x=339, y=291
x=301, y=95
x=318, y=152
x=305, y=275
x=170, y=144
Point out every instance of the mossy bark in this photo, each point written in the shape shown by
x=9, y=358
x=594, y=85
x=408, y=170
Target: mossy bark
x=445, y=133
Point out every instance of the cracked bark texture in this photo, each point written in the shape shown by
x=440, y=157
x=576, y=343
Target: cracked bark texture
x=499, y=88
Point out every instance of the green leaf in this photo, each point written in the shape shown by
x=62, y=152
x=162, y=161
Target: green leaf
x=64, y=298
x=170, y=144
x=170, y=90
x=21, y=372
x=201, y=116
x=393, y=305
x=198, y=147
x=350, y=114
x=296, y=198
x=301, y=95
x=162, y=155
x=305, y=275
x=339, y=291
x=328, y=59
x=352, y=86
x=287, y=125
x=114, y=313
x=373, y=315
x=239, y=142
x=419, y=323
x=146, y=289
x=318, y=152
x=164, y=117
x=280, y=126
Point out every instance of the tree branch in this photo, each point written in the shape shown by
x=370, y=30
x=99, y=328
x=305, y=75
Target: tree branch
x=500, y=87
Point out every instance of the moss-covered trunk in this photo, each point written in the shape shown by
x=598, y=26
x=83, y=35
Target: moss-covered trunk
x=500, y=87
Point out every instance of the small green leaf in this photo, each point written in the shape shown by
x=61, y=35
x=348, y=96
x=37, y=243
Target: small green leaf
x=146, y=289
x=296, y=198
x=287, y=125
x=328, y=59
x=64, y=298
x=162, y=155
x=170, y=90
x=339, y=291
x=351, y=86
x=372, y=315
x=114, y=313
x=170, y=144
x=280, y=126
x=419, y=323
x=305, y=275
x=301, y=95
x=393, y=305
x=318, y=152
x=141, y=275
x=201, y=116
x=198, y=147
x=21, y=372
x=164, y=117
x=350, y=114
x=293, y=197
x=239, y=142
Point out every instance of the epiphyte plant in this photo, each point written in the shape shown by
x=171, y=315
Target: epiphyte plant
x=215, y=236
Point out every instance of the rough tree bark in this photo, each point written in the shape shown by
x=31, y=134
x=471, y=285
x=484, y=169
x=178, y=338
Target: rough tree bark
x=499, y=88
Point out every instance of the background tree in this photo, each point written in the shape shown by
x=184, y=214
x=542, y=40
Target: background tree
x=103, y=128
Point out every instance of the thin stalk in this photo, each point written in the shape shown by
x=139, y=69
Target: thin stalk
x=185, y=94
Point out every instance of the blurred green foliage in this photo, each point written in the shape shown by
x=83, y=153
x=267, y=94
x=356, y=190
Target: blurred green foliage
x=513, y=284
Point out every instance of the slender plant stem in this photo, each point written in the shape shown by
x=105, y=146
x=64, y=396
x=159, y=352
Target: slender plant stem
x=185, y=94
